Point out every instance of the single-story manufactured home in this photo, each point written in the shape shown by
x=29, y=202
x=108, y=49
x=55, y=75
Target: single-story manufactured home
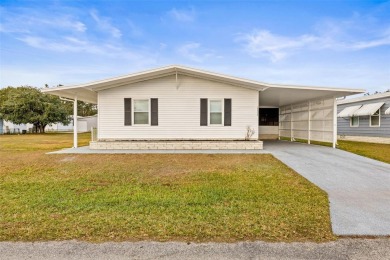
x=365, y=118
x=177, y=107
x=8, y=127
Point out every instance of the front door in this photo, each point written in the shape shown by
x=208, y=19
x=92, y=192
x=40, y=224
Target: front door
x=268, y=123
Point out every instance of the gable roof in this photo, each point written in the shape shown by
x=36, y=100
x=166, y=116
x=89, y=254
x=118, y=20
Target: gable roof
x=88, y=92
x=364, y=98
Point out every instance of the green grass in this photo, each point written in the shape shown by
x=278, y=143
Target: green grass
x=152, y=197
x=380, y=152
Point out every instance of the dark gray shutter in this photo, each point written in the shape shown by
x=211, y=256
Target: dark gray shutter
x=154, y=111
x=203, y=111
x=127, y=111
x=228, y=112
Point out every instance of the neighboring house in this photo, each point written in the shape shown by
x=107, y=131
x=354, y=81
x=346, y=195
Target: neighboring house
x=84, y=125
x=365, y=118
x=7, y=127
x=177, y=107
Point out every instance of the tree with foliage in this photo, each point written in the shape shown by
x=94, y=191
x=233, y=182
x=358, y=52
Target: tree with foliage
x=83, y=108
x=27, y=104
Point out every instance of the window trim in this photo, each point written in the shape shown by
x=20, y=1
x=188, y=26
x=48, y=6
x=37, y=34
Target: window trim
x=350, y=121
x=222, y=111
x=133, y=111
x=379, y=119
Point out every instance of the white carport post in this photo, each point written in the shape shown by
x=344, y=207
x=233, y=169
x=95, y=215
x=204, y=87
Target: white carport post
x=308, y=123
x=75, y=122
x=334, y=122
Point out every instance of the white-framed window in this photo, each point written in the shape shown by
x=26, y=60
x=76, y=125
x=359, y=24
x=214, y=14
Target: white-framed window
x=216, y=112
x=141, y=112
x=354, y=121
x=375, y=119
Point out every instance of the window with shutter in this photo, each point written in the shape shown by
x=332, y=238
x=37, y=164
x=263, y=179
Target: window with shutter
x=227, y=112
x=216, y=111
x=141, y=111
x=154, y=111
x=127, y=111
x=203, y=111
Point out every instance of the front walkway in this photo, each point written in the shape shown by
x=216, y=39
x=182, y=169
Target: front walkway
x=358, y=187
x=86, y=150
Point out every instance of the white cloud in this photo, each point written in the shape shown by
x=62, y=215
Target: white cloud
x=61, y=45
x=194, y=52
x=372, y=43
x=182, y=15
x=55, y=31
x=264, y=43
x=75, y=45
x=76, y=25
x=348, y=35
x=133, y=29
x=105, y=25
x=30, y=21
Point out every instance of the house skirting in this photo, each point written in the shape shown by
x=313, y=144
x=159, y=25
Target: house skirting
x=176, y=145
x=268, y=136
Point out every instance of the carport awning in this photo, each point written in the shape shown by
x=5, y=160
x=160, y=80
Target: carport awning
x=387, y=112
x=368, y=109
x=348, y=111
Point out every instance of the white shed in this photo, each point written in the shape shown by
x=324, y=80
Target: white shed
x=84, y=124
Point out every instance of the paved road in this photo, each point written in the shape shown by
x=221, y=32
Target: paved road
x=358, y=187
x=341, y=249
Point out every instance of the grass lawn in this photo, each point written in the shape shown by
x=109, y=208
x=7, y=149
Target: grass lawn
x=152, y=197
x=380, y=152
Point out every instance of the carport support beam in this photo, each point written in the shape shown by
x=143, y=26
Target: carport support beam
x=308, y=124
x=334, y=122
x=75, y=122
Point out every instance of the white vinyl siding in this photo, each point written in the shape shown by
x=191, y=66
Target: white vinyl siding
x=178, y=108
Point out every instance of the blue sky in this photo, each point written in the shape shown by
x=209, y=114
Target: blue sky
x=319, y=43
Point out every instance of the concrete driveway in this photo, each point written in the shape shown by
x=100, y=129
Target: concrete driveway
x=358, y=187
